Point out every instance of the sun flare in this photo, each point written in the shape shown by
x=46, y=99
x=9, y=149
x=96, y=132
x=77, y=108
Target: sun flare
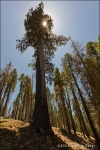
x=44, y=23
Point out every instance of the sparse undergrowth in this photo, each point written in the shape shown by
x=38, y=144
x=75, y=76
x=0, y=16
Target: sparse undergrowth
x=18, y=135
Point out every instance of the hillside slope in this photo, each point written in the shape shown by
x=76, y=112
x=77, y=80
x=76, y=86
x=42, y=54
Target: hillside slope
x=18, y=135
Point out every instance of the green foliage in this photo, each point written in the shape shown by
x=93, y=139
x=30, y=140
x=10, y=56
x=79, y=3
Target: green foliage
x=8, y=84
x=82, y=70
x=97, y=45
x=58, y=77
x=24, y=103
x=93, y=51
x=35, y=32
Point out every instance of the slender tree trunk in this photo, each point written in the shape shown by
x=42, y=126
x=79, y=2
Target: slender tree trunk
x=16, y=112
x=65, y=111
x=86, y=109
x=3, y=98
x=19, y=113
x=52, y=116
x=81, y=124
x=79, y=110
x=23, y=107
x=41, y=121
x=71, y=116
x=89, y=76
x=31, y=108
x=31, y=101
x=26, y=109
x=6, y=103
x=5, y=77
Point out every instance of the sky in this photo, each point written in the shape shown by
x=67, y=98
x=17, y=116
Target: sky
x=77, y=19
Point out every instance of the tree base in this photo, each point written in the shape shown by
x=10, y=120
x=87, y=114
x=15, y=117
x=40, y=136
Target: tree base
x=42, y=131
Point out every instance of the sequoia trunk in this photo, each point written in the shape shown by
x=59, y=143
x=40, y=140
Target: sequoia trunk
x=41, y=121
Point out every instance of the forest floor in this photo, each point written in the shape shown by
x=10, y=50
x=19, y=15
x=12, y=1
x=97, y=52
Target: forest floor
x=19, y=135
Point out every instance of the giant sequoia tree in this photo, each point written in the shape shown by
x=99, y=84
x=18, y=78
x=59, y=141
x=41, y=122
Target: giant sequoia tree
x=39, y=35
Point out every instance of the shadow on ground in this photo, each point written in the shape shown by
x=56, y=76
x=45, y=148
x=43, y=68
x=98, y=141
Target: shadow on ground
x=3, y=121
x=26, y=138
x=79, y=140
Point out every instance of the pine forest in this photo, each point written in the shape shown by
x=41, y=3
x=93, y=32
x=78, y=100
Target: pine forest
x=72, y=108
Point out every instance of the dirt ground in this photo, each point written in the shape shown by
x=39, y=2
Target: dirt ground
x=19, y=135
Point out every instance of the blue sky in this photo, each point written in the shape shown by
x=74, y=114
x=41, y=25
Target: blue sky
x=78, y=19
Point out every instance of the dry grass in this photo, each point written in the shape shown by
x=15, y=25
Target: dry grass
x=18, y=135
